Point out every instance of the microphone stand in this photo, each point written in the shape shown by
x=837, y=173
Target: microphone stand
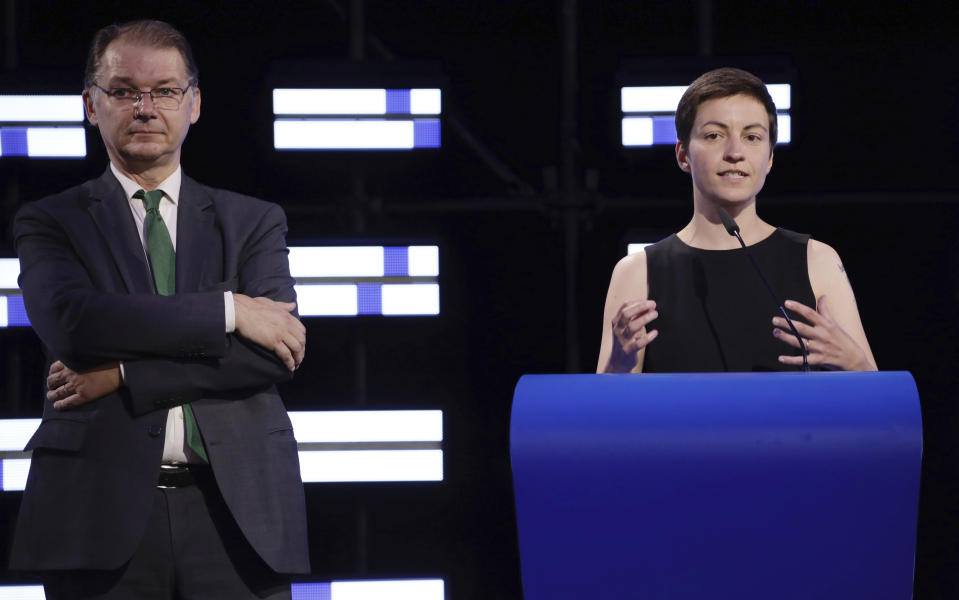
x=732, y=228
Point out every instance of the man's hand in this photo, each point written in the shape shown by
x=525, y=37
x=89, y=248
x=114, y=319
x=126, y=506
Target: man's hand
x=68, y=389
x=269, y=324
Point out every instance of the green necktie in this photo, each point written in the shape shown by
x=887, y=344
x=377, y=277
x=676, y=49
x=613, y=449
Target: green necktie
x=163, y=264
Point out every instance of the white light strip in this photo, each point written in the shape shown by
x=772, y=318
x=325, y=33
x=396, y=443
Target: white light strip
x=9, y=271
x=411, y=299
x=424, y=261
x=41, y=108
x=52, y=142
x=348, y=134
x=425, y=102
x=383, y=589
x=665, y=98
x=654, y=98
x=784, y=129
x=329, y=101
x=336, y=261
x=637, y=131
x=4, y=318
x=14, y=472
x=781, y=94
x=331, y=466
x=368, y=426
x=308, y=426
x=326, y=300
x=311, y=261
x=412, y=589
x=57, y=141
x=15, y=433
x=22, y=592
x=634, y=248
x=316, y=466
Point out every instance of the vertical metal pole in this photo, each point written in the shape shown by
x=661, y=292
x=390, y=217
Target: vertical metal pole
x=706, y=27
x=10, y=58
x=357, y=51
x=569, y=188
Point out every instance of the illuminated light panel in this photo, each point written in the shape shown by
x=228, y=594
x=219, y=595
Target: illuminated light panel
x=40, y=108
x=43, y=142
x=638, y=131
x=362, y=446
x=331, y=281
x=352, y=119
x=424, y=261
x=373, y=589
x=355, y=134
x=13, y=473
x=22, y=592
x=634, y=248
x=333, y=466
x=336, y=261
x=329, y=101
x=356, y=102
x=397, y=589
x=368, y=426
x=9, y=272
x=411, y=299
x=426, y=102
x=331, y=300
x=15, y=433
x=784, y=126
x=649, y=113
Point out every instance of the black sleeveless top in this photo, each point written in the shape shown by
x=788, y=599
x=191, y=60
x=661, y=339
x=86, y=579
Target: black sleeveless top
x=714, y=311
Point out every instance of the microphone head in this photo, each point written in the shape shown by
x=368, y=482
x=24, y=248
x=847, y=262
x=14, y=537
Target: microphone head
x=728, y=222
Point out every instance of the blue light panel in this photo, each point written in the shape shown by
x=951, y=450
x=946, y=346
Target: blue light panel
x=356, y=119
x=345, y=281
x=38, y=126
x=649, y=114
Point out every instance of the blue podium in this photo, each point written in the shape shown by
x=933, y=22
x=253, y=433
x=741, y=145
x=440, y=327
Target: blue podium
x=713, y=486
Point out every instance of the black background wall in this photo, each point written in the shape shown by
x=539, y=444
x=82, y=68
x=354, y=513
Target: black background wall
x=871, y=171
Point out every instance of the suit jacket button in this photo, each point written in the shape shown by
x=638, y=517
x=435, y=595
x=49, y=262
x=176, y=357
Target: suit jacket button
x=155, y=430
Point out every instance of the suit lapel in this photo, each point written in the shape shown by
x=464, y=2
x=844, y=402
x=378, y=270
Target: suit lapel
x=110, y=211
x=195, y=233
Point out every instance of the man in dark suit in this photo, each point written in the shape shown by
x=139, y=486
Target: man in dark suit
x=165, y=464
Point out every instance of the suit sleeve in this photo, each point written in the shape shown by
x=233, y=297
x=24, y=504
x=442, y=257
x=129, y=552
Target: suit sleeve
x=84, y=326
x=263, y=270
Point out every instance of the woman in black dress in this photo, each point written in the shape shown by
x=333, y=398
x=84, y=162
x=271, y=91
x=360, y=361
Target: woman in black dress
x=692, y=302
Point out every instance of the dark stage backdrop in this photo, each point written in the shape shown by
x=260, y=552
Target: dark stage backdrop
x=871, y=171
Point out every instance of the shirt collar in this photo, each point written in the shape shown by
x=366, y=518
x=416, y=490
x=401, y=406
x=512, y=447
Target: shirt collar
x=170, y=185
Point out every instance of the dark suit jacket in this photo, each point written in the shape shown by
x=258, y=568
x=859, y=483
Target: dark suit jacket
x=90, y=297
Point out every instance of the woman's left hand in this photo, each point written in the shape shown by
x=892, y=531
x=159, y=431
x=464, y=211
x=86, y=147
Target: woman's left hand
x=827, y=343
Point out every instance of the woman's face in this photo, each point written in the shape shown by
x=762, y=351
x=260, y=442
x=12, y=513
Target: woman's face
x=729, y=151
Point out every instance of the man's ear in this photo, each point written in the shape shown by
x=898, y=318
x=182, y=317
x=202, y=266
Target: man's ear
x=195, y=109
x=89, y=107
x=769, y=165
x=682, y=157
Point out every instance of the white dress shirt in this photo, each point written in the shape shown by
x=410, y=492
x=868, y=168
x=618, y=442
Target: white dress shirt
x=175, y=448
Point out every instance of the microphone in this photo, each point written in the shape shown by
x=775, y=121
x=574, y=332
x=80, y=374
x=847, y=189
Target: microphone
x=732, y=228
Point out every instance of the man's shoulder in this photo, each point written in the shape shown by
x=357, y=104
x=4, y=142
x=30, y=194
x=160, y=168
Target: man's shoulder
x=75, y=197
x=223, y=199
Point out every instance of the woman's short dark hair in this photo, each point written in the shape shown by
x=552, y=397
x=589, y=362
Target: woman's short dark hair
x=156, y=34
x=722, y=83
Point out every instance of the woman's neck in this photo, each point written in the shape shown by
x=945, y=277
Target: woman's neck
x=706, y=231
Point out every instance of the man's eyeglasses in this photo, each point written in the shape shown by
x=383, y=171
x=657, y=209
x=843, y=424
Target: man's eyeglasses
x=164, y=98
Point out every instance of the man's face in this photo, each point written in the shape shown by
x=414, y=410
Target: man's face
x=729, y=151
x=139, y=135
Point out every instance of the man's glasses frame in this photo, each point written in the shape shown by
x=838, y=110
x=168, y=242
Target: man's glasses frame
x=164, y=98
